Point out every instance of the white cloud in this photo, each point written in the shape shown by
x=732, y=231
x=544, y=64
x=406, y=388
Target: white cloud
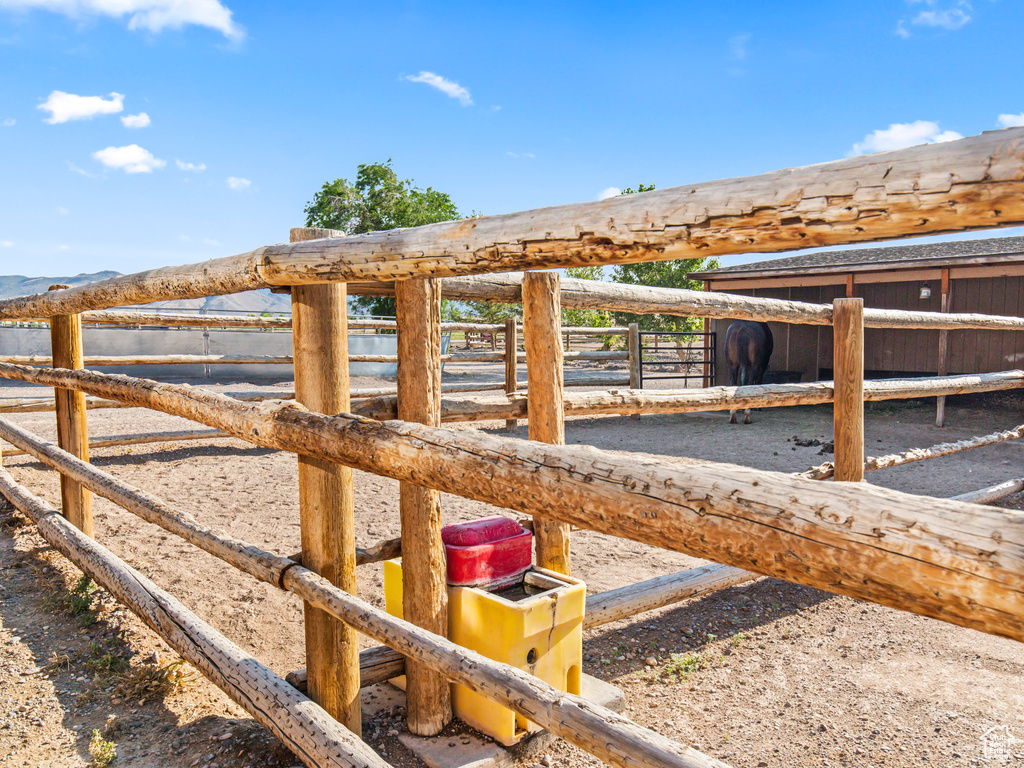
x=523, y=155
x=151, y=15
x=951, y=18
x=902, y=135
x=6, y=244
x=609, y=192
x=738, y=46
x=238, y=184
x=9, y=122
x=64, y=107
x=130, y=159
x=1011, y=121
x=195, y=168
x=75, y=169
x=447, y=87
x=62, y=210
x=140, y=120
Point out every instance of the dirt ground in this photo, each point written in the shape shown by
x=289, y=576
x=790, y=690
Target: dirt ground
x=766, y=674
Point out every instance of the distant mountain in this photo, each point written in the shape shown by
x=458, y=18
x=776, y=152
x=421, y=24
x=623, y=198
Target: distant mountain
x=19, y=285
x=250, y=301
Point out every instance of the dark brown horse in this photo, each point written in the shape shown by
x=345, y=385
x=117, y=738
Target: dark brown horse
x=748, y=347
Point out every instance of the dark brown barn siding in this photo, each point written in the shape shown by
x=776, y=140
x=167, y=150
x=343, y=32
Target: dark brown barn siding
x=894, y=350
x=984, y=351
x=803, y=339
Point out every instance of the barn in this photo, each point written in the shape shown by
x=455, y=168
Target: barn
x=977, y=276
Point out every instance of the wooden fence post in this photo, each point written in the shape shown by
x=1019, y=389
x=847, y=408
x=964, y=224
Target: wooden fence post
x=424, y=576
x=943, y=363
x=72, y=428
x=848, y=405
x=542, y=332
x=327, y=514
x=633, y=344
x=511, y=361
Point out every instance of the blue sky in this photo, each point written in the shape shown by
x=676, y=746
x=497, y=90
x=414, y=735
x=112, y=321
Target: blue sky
x=167, y=132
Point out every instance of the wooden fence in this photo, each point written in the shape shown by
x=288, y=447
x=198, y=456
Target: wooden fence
x=948, y=559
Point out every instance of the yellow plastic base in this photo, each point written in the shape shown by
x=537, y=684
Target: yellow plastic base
x=541, y=633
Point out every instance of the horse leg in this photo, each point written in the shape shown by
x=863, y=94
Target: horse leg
x=757, y=378
x=733, y=375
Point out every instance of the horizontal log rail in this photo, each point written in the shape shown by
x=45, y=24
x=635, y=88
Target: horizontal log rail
x=95, y=361
x=661, y=591
x=258, y=321
x=646, y=300
x=967, y=560
x=992, y=492
x=827, y=470
x=183, y=320
x=306, y=729
x=376, y=665
x=45, y=404
x=387, y=549
x=956, y=186
x=650, y=300
x=632, y=401
x=606, y=734
x=141, y=438
x=112, y=360
x=592, y=330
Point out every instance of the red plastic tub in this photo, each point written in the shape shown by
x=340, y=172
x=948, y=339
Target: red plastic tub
x=489, y=553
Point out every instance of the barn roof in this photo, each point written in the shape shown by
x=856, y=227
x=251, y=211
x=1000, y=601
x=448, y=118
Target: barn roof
x=953, y=252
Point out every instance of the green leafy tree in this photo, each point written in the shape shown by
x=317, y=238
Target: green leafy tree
x=674, y=273
x=593, y=318
x=493, y=311
x=377, y=201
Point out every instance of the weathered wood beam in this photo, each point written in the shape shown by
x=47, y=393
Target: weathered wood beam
x=43, y=405
x=94, y=361
x=184, y=320
x=992, y=492
x=72, y=427
x=635, y=360
x=326, y=499
x=848, y=398
x=306, y=729
x=955, y=186
x=511, y=365
x=967, y=561
x=827, y=470
x=943, y=352
x=376, y=665
x=660, y=591
x=626, y=402
x=424, y=588
x=545, y=389
x=141, y=438
x=649, y=300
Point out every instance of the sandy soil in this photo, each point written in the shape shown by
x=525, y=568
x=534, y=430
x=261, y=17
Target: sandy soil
x=769, y=674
